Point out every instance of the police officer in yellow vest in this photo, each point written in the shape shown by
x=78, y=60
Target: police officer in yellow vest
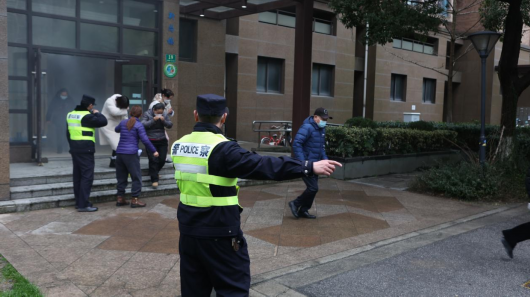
x=213, y=251
x=82, y=124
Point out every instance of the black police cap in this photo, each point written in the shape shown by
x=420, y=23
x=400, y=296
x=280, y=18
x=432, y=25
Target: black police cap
x=87, y=100
x=211, y=105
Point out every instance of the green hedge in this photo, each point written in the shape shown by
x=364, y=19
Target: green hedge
x=349, y=142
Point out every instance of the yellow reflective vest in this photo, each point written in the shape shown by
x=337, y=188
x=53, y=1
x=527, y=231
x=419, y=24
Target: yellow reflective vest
x=76, y=129
x=190, y=156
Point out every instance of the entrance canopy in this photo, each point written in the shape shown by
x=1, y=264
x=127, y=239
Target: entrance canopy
x=226, y=9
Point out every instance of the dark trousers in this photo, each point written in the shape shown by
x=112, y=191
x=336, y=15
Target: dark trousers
x=305, y=201
x=213, y=263
x=83, y=176
x=156, y=164
x=125, y=165
x=517, y=234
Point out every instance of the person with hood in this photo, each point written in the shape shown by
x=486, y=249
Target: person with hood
x=81, y=133
x=155, y=122
x=115, y=110
x=60, y=105
x=310, y=144
x=128, y=159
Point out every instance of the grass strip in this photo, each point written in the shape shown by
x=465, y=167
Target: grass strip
x=21, y=286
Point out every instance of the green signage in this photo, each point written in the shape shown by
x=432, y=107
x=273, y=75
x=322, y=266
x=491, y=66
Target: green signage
x=170, y=70
x=171, y=58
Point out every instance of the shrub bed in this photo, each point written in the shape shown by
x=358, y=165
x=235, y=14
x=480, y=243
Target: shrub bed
x=349, y=142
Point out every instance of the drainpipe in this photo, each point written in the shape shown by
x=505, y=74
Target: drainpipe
x=365, y=71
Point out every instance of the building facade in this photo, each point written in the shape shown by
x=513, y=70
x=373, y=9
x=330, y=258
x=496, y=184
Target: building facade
x=101, y=48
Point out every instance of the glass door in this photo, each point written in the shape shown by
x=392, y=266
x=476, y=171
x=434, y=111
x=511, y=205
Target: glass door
x=134, y=80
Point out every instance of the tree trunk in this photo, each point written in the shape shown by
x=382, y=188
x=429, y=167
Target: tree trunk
x=508, y=72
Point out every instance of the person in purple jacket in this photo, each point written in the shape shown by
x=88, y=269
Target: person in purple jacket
x=128, y=159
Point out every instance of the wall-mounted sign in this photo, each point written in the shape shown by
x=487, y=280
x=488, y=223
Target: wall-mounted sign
x=170, y=41
x=171, y=28
x=136, y=95
x=171, y=58
x=171, y=15
x=170, y=70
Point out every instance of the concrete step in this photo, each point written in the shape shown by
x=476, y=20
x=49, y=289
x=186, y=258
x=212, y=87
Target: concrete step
x=67, y=178
x=53, y=201
x=57, y=189
x=37, y=203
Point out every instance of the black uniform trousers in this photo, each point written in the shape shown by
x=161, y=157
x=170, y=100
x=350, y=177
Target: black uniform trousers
x=207, y=263
x=157, y=163
x=517, y=234
x=305, y=201
x=83, y=178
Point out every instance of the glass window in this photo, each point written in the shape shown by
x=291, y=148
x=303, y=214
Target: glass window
x=187, y=40
x=314, y=80
x=418, y=47
x=262, y=75
x=136, y=13
x=17, y=27
x=274, y=75
x=18, y=127
x=321, y=83
x=99, y=38
x=428, y=49
x=104, y=11
x=269, y=75
x=139, y=43
x=397, y=43
x=407, y=45
x=429, y=90
x=58, y=7
x=267, y=17
x=17, y=4
x=286, y=20
x=398, y=87
x=18, y=94
x=17, y=61
x=324, y=28
x=53, y=32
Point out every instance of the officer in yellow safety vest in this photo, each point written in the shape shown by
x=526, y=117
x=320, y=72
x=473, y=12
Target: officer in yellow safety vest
x=213, y=251
x=82, y=123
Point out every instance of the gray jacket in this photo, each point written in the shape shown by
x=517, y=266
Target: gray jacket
x=156, y=129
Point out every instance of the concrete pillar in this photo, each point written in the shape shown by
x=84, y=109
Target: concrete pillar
x=171, y=6
x=4, y=106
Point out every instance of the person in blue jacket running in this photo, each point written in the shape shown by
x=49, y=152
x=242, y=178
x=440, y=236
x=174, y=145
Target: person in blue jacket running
x=310, y=144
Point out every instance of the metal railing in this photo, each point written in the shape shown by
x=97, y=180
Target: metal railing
x=257, y=127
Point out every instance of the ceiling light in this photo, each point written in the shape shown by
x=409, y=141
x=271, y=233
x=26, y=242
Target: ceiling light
x=244, y=5
x=202, y=13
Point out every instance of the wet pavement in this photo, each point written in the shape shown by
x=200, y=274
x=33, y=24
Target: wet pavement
x=134, y=252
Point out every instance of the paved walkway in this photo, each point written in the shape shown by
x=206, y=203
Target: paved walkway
x=134, y=252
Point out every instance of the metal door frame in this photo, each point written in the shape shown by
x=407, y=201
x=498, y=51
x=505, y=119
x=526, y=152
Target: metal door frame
x=118, y=75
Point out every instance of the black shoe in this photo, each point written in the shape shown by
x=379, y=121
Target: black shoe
x=87, y=209
x=89, y=204
x=294, y=209
x=507, y=247
x=112, y=163
x=306, y=215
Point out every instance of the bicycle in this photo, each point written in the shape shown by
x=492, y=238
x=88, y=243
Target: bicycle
x=284, y=139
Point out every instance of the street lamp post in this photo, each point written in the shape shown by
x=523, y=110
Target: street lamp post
x=484, y=42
